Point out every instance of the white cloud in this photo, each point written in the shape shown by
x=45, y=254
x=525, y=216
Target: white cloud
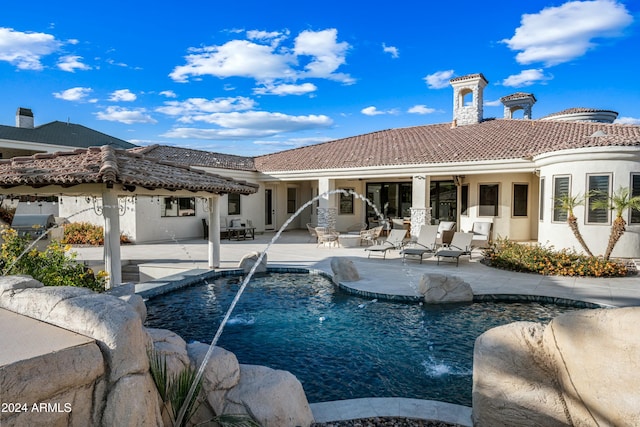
x=194, y=107
x=265, y=60
x=71, y=63
x=526, y=78
x=326, y=53
x=421, y=109
x=169, y=94
x=250, y=124
x=293, y=142
x=123, y=115
x=391, y=50
x=561, y=34
x=25, y=50
x=73, y=94
x=495, y=103
x=439, y=79
x=371, y=111
x=627, y=121
x=285, y=89
x=122, y=95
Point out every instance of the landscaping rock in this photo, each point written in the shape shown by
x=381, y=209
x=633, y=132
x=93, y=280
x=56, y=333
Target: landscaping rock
x=137, y=302
x=344, y=270
x=248, y=261
x=441, y=288
x=272, y=397
x=14, y=283
x=172, y=347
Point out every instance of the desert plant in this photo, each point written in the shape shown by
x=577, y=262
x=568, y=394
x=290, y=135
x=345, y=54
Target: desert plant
x=85, y=233
x=568, y=203
x=619, y=201
x=174, y=389
x=55, y=266
x=546, y=260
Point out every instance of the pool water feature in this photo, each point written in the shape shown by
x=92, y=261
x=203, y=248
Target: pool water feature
x=342, y=346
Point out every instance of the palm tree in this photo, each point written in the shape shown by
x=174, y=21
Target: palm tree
x=619, y=202
x=568, y=203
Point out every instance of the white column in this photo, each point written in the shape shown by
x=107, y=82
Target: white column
x=112, y=260
x=327, y=210
x=214, y=231
x=420, y=198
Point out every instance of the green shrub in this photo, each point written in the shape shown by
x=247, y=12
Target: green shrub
x=548, y=261
x=85, y=233
x=55, y=266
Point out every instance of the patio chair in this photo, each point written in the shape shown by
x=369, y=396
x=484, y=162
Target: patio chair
x=327, y=235
x=395, y=240
x=425, y=244
x=313, y=236
x=445, y=232
x=481, y=234
x=370, y=236
x=460, y=245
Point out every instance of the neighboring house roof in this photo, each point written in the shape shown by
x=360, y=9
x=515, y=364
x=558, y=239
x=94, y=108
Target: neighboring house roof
x=60, y=133
x=578, y=110
x=106, y=165
x=495, y=139
x=187, y=156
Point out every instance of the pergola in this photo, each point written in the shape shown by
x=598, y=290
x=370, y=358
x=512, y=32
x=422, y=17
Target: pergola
x=111, y=173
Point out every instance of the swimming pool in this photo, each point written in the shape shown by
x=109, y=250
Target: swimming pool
x=342, y=346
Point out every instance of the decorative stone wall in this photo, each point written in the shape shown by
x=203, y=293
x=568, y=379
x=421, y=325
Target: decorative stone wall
x=419, y=217
x=327, y=217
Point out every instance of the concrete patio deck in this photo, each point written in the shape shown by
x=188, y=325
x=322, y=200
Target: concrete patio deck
x=391, y=276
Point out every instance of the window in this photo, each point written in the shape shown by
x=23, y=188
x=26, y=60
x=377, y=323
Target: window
x=635, y=192
x=443, y=200
x=520, y=199
x=390, y=198
x=541, y=199
x=346, y=202
x=598, y=190
x=488, y=200
x=233, y=204
x=560, y=189
x=464, y=200
x=178, y=206
x=291, y=200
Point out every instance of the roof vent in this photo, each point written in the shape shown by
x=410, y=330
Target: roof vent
x=598, y=133
x=24, y=118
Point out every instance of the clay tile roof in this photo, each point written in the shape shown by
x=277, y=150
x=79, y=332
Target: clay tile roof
x=469, y=77
x=577, y=110
x=110, y=166
x=192, y=157
x=517, y=95
x=496, y=139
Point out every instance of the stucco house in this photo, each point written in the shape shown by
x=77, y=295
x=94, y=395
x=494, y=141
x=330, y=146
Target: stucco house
x=507, y=171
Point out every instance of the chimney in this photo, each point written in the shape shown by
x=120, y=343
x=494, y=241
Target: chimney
x=468, y=98
x=24, y=118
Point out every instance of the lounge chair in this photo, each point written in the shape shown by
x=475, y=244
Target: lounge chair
x=395, y=240
x=425, y=244
x=327, y=235
x=445, y=232
x=460, y=245
x=481, y=234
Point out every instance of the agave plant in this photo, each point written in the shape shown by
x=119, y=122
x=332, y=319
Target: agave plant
x=619, y=202
x=174, y=389
x=568, y=203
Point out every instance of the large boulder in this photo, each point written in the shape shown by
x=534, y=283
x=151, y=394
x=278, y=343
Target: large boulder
x=172, y=348
x=344, y=270
x=442, y=288
x=583, y=369
x=273, y=398
x=248, y=261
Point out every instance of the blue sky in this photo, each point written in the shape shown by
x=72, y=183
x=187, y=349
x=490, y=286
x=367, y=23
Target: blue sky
x=255, y=77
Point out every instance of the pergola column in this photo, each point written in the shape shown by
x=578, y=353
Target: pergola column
x=112, y=260
x=214, y=231
x=420, y=197
x=327, y=210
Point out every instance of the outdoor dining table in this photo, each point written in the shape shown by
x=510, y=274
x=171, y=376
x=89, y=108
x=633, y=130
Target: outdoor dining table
x=241, y=233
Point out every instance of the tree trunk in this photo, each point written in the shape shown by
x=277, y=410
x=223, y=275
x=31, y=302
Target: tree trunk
x=617, y=230
x=573, y=225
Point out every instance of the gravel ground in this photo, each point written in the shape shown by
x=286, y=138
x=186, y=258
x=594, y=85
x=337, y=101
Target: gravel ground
x=385, y=422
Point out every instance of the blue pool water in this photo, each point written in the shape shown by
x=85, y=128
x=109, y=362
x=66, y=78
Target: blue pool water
x=338, y=345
